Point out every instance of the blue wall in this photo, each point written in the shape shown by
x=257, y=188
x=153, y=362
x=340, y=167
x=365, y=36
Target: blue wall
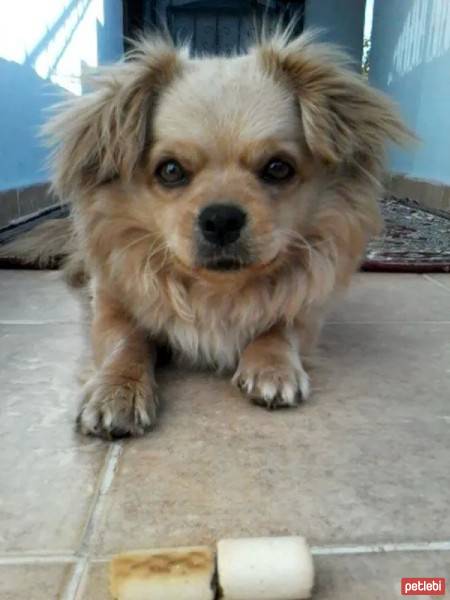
x=45, y=52
x=410, y=60
x=342, y=22
x=42, y=60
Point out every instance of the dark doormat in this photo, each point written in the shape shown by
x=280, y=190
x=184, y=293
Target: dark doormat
x=415, y=239
x=16, y=232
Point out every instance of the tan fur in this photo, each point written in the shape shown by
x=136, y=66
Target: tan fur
x=222, y=118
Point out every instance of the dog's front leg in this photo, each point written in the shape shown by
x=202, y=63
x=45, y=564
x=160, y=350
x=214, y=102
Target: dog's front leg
x=120, y=399
x=270, y=370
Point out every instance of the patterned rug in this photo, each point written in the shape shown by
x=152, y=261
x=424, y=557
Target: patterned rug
x=414, y=239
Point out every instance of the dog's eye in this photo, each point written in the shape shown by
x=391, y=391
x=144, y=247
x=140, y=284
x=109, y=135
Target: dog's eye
x=171, y=173
x=277, y=171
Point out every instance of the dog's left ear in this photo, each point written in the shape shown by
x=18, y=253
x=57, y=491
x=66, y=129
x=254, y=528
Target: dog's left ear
x=104, y=134
x=343, y=118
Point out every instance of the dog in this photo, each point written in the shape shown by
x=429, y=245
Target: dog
x=219, y=204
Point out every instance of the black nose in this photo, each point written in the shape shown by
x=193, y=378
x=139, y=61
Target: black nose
x=221, y=224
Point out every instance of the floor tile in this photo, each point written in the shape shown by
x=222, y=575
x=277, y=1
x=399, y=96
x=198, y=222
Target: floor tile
x=441, y=278
x=33, y=582
x=36, y=296
x=48, y=473
x=364, y=461
x=39, y=370
x=95, y=583
x=381, y=297
x=375, y=576
x=46, y=498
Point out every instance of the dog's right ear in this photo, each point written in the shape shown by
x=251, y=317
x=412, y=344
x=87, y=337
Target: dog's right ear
x=103, y=135
x=344, y=119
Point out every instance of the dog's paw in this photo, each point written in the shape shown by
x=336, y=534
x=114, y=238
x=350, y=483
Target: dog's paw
x=115, y=409
x=272, y=386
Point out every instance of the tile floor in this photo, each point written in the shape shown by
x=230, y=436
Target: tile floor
x=362, y=469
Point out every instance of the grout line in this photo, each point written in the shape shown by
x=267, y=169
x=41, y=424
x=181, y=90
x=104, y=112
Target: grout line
x=41, y=558
x=74, y=584
x=60, y=554
x=27, y=322
x=37, y=559
x=428, y=322
x=103, y=559
x=436, y=282
x=31, y=322
x=105, y=480
x=380, y=548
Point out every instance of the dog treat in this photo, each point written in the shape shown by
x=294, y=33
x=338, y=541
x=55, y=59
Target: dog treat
x=265, y=569
x=164, y=574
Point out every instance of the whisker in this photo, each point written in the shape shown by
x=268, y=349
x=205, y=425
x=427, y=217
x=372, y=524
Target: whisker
x=299, y=241
x=147, y=272
x=132, y=243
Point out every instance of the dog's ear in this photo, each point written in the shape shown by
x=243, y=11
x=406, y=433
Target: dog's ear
x=103, y=134
x=343, y=117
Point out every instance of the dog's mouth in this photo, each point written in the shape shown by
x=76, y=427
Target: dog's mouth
x=223, y=264
x=232, y=257
x=237, y=257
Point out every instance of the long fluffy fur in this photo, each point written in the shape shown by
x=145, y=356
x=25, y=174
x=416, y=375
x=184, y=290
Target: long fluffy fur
x=103, y=142
x=103, y=134
x=344, y=119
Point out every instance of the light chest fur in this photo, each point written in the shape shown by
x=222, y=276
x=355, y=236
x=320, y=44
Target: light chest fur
x=208, y=326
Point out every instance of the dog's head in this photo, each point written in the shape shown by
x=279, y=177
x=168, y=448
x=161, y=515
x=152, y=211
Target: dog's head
x=225, y=159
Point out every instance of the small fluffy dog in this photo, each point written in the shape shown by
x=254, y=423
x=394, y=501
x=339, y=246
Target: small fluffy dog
x=218, y=205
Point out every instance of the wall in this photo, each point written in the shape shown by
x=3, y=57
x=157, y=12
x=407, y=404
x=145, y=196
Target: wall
x=410, y=60
x=342, y=22
x=45, y=46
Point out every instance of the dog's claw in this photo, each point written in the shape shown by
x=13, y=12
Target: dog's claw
x=117, y=411
x=273, y=388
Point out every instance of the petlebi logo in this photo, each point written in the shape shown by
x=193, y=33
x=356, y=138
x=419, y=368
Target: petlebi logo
x=423, y=586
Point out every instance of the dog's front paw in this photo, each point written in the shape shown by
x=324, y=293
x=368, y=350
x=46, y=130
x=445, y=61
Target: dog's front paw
x=272, y=385
x=117, y=408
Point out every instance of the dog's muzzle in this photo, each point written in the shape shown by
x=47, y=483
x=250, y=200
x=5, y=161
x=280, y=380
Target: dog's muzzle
x=220, y=237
